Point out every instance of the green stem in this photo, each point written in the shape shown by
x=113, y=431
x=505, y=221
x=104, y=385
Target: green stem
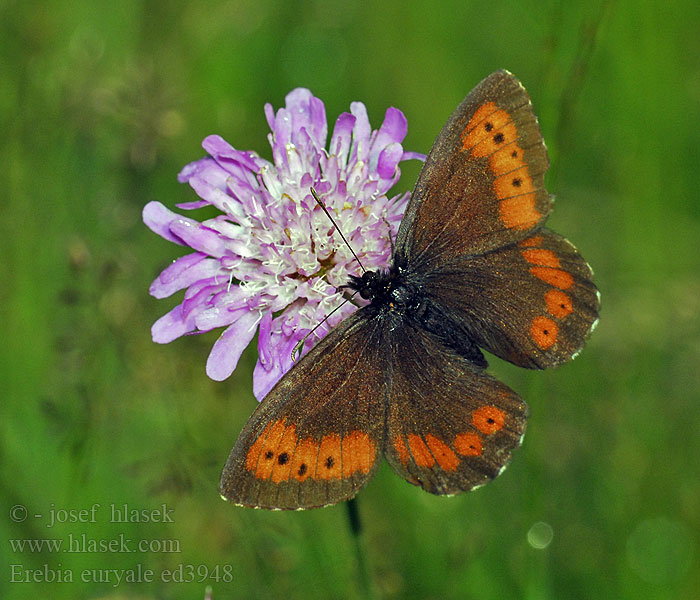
x=366, y=588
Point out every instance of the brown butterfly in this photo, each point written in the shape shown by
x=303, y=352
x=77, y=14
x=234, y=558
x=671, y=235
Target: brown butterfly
x=473, y=267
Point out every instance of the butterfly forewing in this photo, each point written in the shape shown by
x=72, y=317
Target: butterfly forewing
x=451, y=427
x=482, y=185
x=316, y=437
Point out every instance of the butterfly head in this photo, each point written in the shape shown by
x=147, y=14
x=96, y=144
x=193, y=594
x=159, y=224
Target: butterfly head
x=369, y=285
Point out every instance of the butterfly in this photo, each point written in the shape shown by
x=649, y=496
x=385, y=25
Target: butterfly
x=473, y=268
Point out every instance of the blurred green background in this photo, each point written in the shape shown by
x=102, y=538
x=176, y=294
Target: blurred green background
x=102, y=103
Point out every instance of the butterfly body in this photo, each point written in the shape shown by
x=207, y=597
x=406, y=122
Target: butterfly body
x=404, y=376
x=396, y=296
x=386, y=289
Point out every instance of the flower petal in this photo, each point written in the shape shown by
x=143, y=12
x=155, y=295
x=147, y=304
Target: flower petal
x=192, y=205
x=414, y=156
x=341, y=139
x=393, y=129
x=171, y=326
x=264, y=380
x=266, y=375
x=198, y=237
x=223, y=310
x=307, y=112
x=182, y=273
x=158, y=219
x=227, y=156
x=227, y=350
x=220, y=199
x=191, y=169
x=361, y=133
x=264, y=341
x=389, y=160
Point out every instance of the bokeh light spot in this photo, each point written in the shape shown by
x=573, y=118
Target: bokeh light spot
x=540, y=535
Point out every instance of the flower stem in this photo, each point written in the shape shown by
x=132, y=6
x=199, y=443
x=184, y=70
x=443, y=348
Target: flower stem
x=365, y=581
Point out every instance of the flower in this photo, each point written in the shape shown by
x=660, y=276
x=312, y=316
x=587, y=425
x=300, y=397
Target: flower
x=272, y=261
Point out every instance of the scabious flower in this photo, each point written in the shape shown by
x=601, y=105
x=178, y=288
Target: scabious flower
x=272, y=261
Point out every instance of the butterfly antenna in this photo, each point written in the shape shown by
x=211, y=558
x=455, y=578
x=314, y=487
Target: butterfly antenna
x=325, y=210
x=391, y=237
x=296, y=351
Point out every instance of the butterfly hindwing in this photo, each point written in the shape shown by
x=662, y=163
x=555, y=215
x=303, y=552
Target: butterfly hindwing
x=451, y=427
x=482, y=185
x=532, y=303
x=317, y=436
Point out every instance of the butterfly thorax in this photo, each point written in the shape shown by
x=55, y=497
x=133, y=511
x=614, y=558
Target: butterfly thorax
x=397, y=300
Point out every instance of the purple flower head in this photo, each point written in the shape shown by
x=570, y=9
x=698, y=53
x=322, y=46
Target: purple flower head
x=272, y=261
